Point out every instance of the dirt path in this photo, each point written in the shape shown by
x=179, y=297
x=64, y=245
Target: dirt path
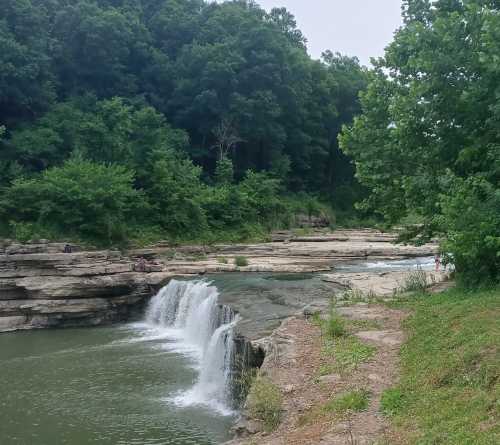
x=310, y=377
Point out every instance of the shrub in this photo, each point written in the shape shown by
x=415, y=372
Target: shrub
x=241, y=261
x=174, y=190
x=222, y=260
x=265, y=402
x=81, y=198
x=471, y=220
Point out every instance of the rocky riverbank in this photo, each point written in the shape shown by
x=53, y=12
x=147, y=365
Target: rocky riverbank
x=317, y=376
x=41, y=286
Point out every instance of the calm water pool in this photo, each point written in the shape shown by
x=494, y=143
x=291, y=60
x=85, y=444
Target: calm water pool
x=99, y=386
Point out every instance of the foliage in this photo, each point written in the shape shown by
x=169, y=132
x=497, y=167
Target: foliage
x=392, y=401
x=224, y=171
x=241, y=261
x=174, y=190
x=471, y=218
x=108, y=80
x=265, y=402
x=428, y=140
x=80, y=197
x=334, y=326
x=449, y=387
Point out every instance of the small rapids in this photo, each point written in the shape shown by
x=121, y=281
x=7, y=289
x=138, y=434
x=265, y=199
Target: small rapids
x=189, y=313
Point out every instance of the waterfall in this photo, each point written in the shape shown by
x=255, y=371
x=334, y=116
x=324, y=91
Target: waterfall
x=190, y=310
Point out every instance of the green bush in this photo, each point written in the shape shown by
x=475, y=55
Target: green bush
x=265, y=402
x=471, y=220
x=81, y=198
x=175, y=192
x=241, y=261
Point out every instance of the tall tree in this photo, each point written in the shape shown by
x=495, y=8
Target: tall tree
x=429, y=132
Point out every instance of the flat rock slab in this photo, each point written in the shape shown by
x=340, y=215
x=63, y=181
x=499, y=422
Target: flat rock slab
x=389, y=338
x=379, y=283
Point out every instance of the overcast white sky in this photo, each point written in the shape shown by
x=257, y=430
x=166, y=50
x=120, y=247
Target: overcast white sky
x=359, y=28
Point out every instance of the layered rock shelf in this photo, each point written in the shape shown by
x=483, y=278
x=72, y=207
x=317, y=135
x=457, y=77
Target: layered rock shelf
x=41, y=286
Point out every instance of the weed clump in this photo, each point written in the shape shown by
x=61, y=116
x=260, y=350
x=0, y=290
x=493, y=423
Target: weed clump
x=392, y=401
x=265, y=402
x=415, y=281
x=334, y=326
x=352, y=401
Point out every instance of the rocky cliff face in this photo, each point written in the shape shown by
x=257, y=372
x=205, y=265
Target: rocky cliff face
x=40, y=286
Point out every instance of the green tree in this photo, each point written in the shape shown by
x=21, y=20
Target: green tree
x=175, y=192
x=103, y=131
x=428, y=141
x=81, y=198
x=26, y=79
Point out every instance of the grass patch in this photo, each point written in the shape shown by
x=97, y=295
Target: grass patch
x=450, y=385
x=343, y=351
x=353, y=296
x=241, y=261
x=341, y=406
x=392, y=401
x=265, y=402
x=352, y=401
x=348, y=353
x=222, y=260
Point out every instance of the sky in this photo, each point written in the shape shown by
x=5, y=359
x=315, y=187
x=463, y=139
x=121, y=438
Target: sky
x=361, y=28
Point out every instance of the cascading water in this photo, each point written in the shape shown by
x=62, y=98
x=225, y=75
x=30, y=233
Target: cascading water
x=190, y=312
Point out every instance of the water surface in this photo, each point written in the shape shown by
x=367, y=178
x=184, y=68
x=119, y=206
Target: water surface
x=100, y=386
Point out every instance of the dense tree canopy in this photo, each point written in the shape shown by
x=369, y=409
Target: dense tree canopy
x=187, y=96
x=428, y=141
x=197, y=63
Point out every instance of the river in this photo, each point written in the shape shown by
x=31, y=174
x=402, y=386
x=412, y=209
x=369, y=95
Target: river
x=142, y=383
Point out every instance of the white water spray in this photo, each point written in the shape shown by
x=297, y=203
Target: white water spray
x=190, y=310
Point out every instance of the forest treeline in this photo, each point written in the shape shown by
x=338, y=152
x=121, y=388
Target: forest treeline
x=176, y=118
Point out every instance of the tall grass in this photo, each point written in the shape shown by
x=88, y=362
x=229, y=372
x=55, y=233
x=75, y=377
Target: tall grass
x=265, y=402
